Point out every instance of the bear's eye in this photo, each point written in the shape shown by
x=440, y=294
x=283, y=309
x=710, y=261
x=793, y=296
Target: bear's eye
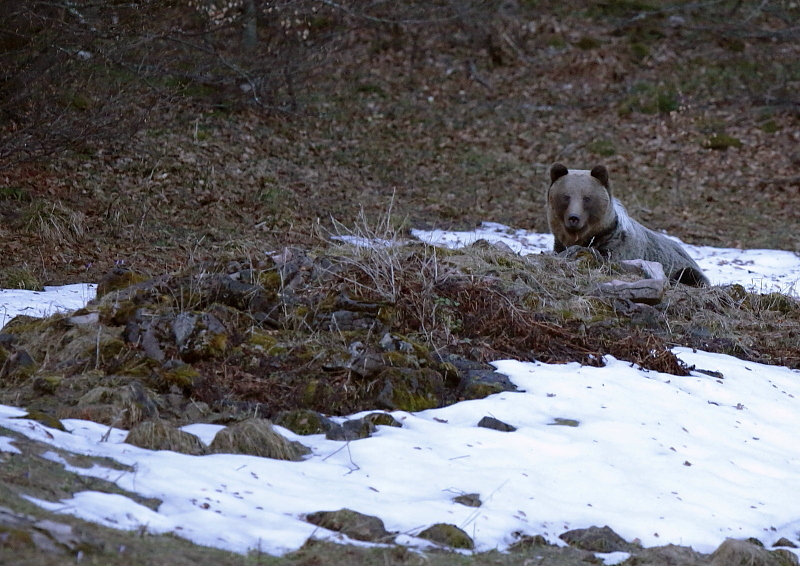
x=587, y=200
x=564, y=199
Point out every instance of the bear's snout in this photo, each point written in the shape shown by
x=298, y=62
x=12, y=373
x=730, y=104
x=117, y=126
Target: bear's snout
x=573, y=221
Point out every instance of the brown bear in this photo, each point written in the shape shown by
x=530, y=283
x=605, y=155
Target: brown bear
x=582, y=212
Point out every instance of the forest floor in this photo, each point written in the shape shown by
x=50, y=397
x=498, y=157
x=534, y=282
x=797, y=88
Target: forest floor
x=698, y=127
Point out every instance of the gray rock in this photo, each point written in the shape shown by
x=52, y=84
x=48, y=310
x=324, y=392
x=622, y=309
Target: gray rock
x=353, y=429
x=647, y=291
x=670, y=555
x=480, y=383
x=469, y=499
x=783, y=541
x=732, y=552
x=647, y=269
x=495, y=424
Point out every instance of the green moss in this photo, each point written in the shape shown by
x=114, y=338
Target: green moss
x=110, y=349
x=603, y=148
x=14, y=193
x=586, y=43
x=481, y=390
x=266, y=342
x=46, y=384
x=182, y=376
x=400, y=360
x=410, y=390
x=271, y=280
x=302, y=421
x=648, y=98
x=770, y=126
x=316, y=393
x=448, y=535
x=722, y=142
x=639, y=51
x=21, y=324
x=43, y=418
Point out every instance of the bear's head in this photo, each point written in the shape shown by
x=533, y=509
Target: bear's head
x=579, y=204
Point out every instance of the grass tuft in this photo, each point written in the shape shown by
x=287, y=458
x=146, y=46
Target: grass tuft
x=54, y=221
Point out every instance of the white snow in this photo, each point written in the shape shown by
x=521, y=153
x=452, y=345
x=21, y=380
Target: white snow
x=14, y=302
x=659, y=458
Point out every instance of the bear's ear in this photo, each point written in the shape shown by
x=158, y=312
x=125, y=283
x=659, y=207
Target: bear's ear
x=601, y=174
x=556, y=172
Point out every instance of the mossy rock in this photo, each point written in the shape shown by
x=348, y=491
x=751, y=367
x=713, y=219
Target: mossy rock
x=46, y=384
x=383, y=419
x=127, y=405
x=447, y=535
x=479, y=384
x=161, y=435
x=528, y=542
x=256, y=437
x=354, y=429
x=265, y=342
x=410, y=390
x=117, y=279
x=316, y=393
x=351, y=523
x=304, y=422
x=401, y=360
x=44, y=418
x=115, y=312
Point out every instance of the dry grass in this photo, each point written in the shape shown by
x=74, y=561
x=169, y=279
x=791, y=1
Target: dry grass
x=20, y=278
x=54, y=222
x=256, y=437
x=161, y=435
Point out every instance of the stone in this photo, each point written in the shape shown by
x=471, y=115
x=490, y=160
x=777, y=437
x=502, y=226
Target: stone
x=783, y=541
x=480, y=383
x=351, y=523
x=354, y=429
x=495, y=424
x=647, y=291
x=647, y=269
x=469, y=499
x=447, y=535
x=733, y=551
x=596, y=539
